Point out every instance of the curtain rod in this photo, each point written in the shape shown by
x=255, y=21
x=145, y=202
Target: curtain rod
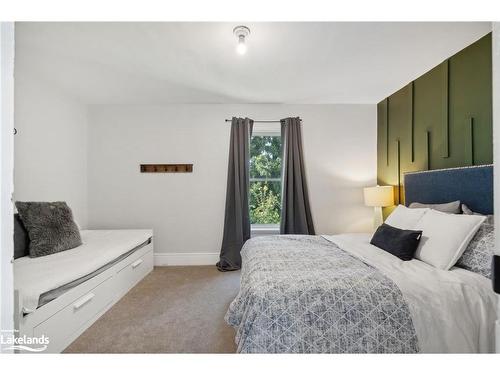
x=229, y=120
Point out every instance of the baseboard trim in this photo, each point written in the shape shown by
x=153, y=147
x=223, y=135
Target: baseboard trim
x=186, y=259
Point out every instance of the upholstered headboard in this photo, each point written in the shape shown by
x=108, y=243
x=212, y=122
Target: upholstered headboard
x=471, y=185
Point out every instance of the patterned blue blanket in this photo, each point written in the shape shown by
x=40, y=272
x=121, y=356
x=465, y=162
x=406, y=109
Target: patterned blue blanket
x=303, y=294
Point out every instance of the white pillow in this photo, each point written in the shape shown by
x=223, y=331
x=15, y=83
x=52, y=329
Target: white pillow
x=445, y=237
x=405, y=218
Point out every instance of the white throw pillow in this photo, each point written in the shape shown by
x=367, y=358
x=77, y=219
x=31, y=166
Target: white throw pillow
x=405, y=218
x=445, y=237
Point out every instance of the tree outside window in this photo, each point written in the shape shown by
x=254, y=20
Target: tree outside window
x=265, y=179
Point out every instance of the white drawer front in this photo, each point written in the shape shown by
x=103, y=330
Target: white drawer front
x=138, y=267
x=66, y=322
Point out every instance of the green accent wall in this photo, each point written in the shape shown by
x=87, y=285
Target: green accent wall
x=443, y=119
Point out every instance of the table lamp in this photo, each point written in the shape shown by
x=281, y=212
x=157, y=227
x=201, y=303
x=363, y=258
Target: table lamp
x=378, y=197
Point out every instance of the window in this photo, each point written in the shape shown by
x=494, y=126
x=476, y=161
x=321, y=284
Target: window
x=265, y=176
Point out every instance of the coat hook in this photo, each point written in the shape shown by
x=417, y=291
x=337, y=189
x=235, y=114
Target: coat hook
x=15, y=131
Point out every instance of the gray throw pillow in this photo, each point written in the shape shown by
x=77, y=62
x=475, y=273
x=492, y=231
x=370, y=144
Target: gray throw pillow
x=479, y=253
x=449, y=208
x=490, y=219
x=50, y=227
x=21, y=239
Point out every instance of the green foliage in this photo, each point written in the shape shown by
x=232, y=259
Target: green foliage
x=265, y=194
x=265, y=202
x=265, y=157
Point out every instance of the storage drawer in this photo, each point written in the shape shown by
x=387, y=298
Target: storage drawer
x=66, y=322
x=138, y=267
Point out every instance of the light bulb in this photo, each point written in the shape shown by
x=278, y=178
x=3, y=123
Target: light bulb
x=241, y=32
x=241, y=48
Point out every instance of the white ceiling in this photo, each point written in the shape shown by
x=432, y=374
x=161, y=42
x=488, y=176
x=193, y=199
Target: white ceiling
x=155, y=63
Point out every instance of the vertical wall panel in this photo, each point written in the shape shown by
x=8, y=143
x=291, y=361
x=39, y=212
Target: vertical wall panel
x=469, y=142
x=429, y=113
x=445, y=108
x=471, y=96
x=382, y=145
x=427, y=150
x=412, y=121
x=399, y=141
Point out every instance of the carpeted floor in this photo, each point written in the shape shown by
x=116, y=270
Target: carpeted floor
x=172, y=310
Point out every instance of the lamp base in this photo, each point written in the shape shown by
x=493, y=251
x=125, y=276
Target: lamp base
x=377, y=217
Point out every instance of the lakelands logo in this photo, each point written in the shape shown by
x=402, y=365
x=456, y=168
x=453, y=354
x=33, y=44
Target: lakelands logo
x=9, y=340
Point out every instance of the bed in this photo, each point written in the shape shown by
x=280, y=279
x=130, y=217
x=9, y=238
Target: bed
x=61, y=305
x=339, y=294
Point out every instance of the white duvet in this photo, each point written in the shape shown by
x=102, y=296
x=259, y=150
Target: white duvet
x=35, y=276
x=452, y=311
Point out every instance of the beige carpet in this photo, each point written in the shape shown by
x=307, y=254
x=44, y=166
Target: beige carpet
x=172, y=310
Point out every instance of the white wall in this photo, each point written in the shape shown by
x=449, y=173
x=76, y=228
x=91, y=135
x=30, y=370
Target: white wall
x=6, y=171
x=50, y=146
x=496, y=148
x=186, y=211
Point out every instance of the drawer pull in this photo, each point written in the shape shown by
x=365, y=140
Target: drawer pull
x=84, y=300
x=137, y=263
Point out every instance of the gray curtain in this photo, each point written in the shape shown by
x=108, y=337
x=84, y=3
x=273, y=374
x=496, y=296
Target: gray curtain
x=295, y=210
x=237, y=217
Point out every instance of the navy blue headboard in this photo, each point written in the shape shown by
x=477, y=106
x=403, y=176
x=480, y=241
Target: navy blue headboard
x=470, y=185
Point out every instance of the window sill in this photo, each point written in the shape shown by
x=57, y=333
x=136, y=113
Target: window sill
x=264, y=230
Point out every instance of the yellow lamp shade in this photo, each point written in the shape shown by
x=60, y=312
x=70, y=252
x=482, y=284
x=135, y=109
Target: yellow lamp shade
x=379, y=196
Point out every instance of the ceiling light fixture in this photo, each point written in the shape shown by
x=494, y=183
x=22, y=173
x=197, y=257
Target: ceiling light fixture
x=241, y=33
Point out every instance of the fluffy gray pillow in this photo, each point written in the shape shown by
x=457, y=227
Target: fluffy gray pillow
x=479, y=253
x=490, y=219
x=449, y=208
x=21, y=239
x=50, y=227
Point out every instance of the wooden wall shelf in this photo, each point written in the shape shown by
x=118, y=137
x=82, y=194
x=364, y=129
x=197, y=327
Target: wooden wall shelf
x=166, y=168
